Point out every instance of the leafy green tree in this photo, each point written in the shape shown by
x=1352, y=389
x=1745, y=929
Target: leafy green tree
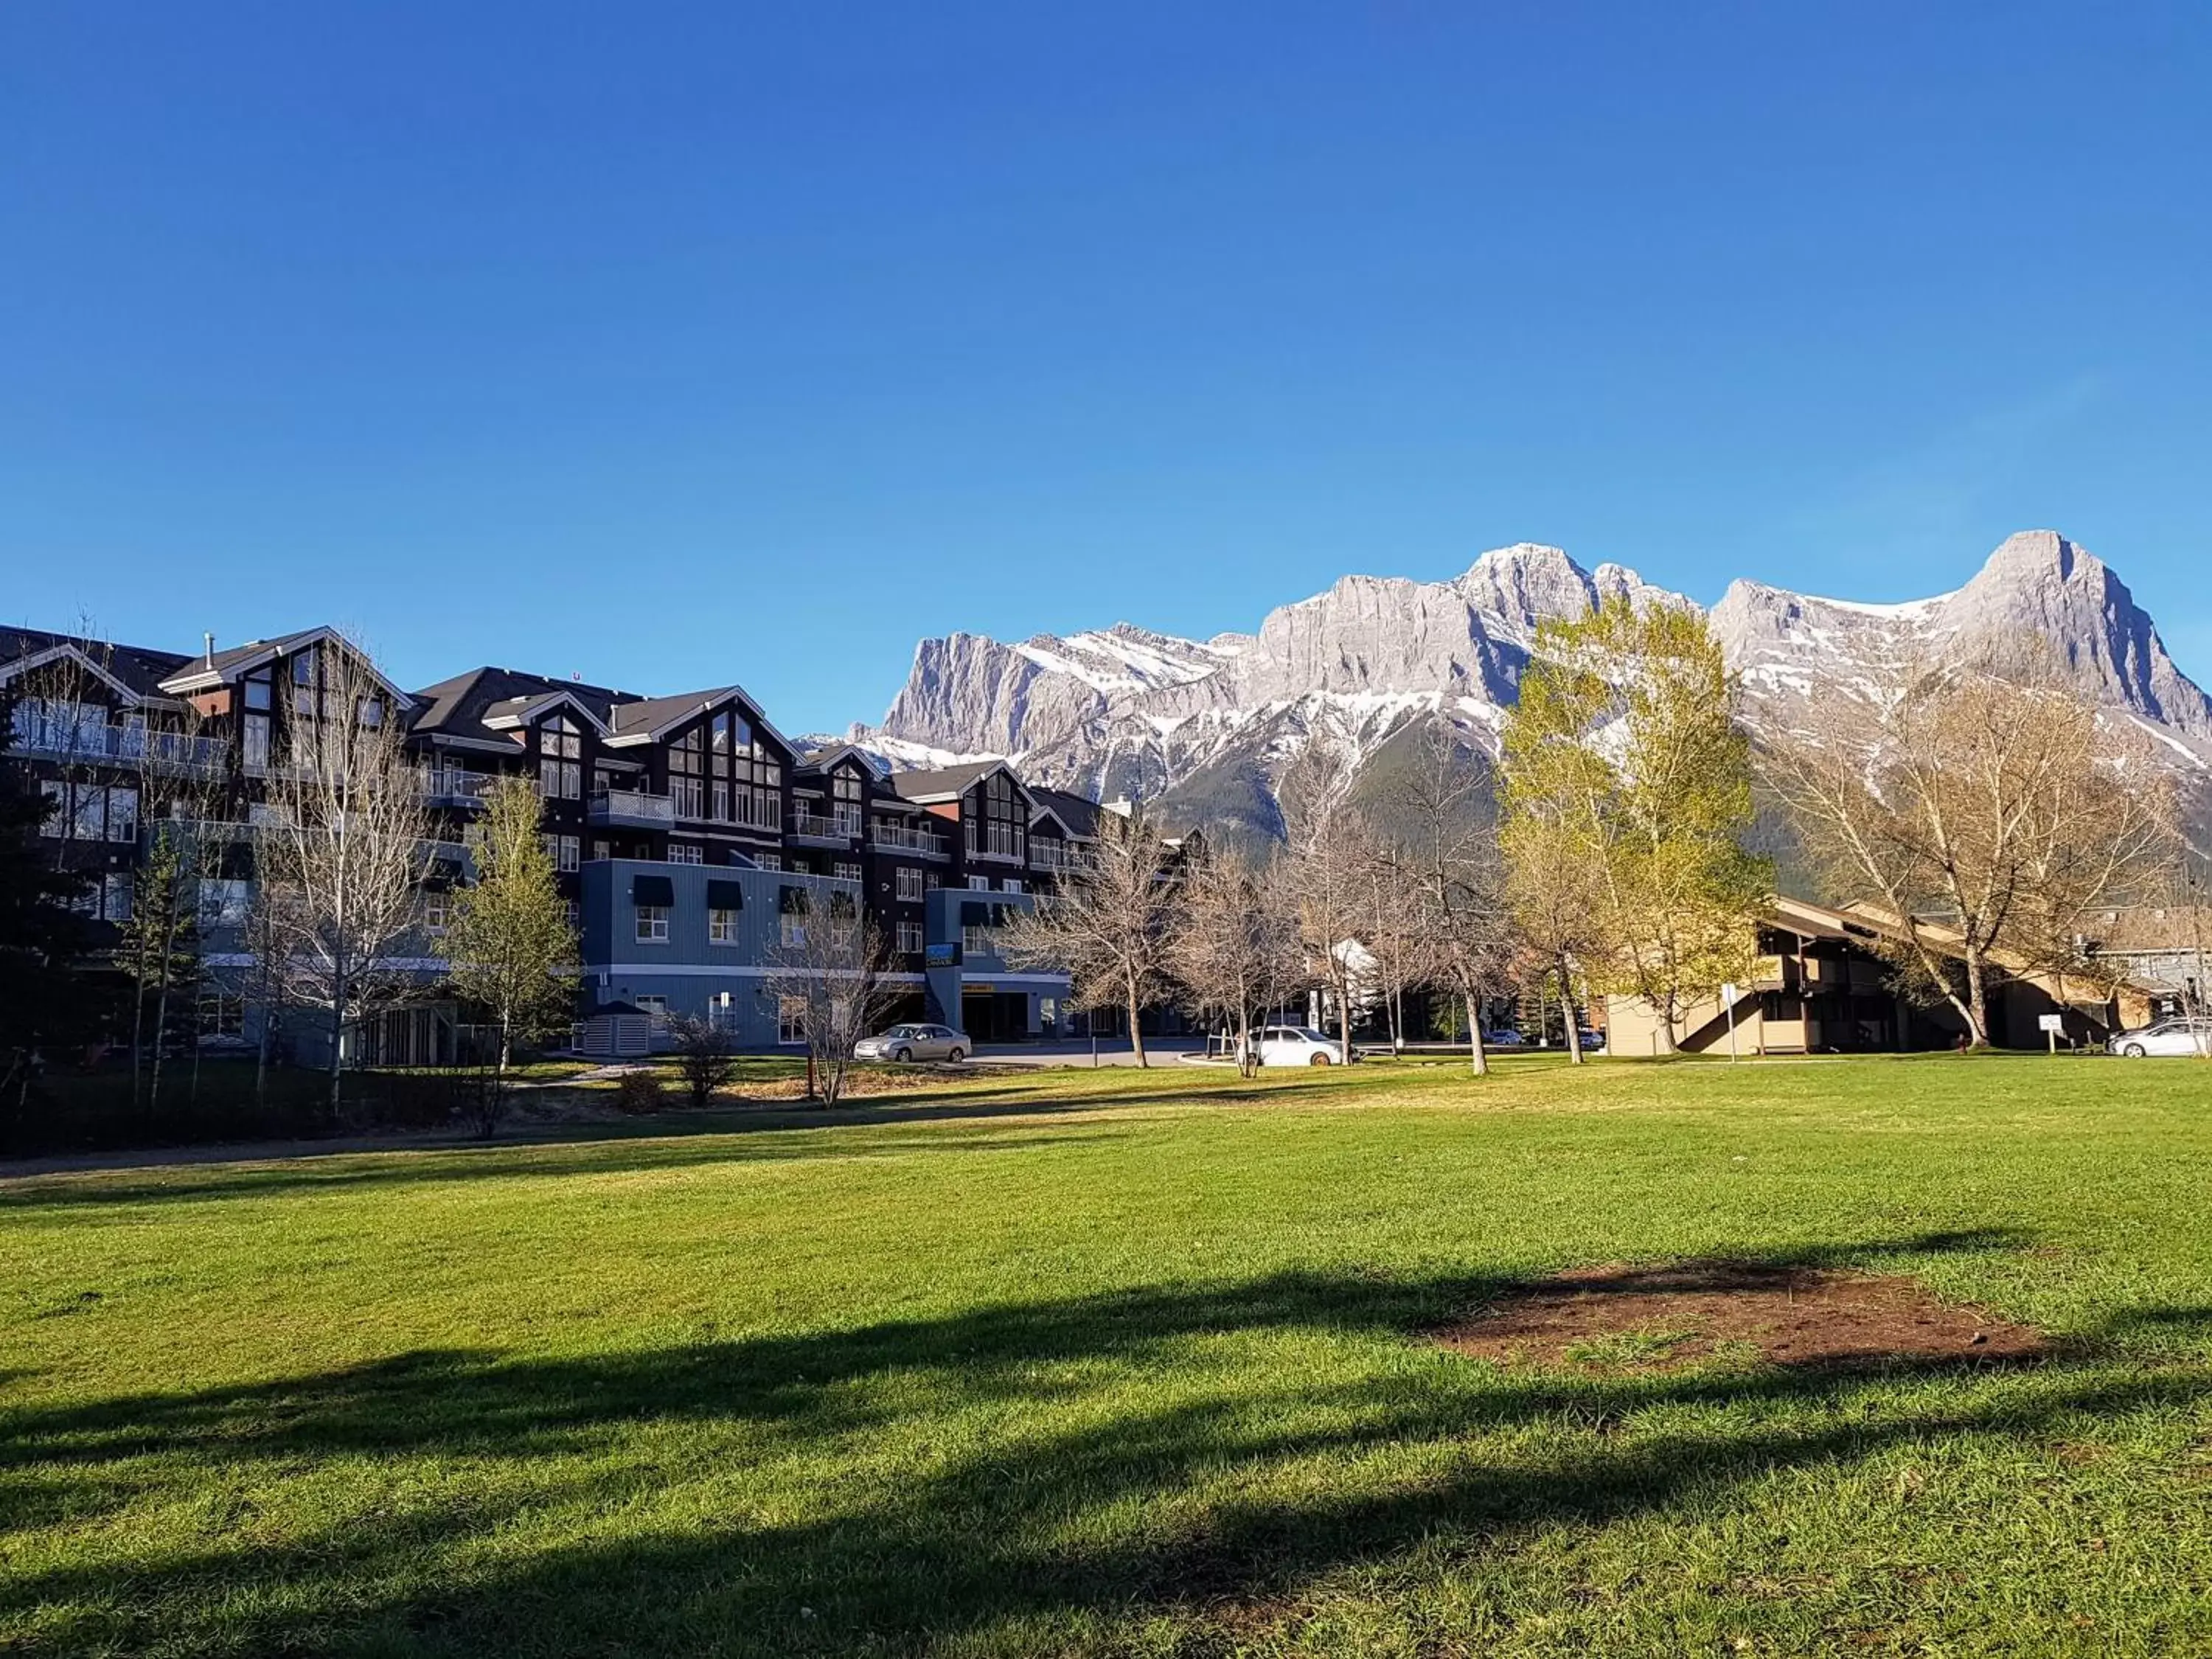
x=1627, y=792
x=508, y=939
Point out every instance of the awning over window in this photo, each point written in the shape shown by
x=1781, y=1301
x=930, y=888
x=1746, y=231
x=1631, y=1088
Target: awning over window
x=792, y=901
x=726, y=895
x=652, y=889
x=973, y=915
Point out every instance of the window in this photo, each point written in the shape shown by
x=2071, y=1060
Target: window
x=576, y=912
x=437, y=911
x=1012, y=884
x=769, y=860
x=975, y=941
x=257, y=691
x=254, y=741
x=115, y=897
x=563, y=851
x=224, y=904
x=599, y=849
x=56, y=822
x=653, y=924
x=995, y=815
x=932, y=881
x=794, y=928
x=909, y=939
x=979, y=884
x=88, y=822
x=123, y=814
x=683, y=852
x=906, y=884
x=303, y=684
x=560, y=759
x=845, y=805
x=720, y=812
x=722, y=927
x=847, y=872
x=371, y=713
x=791, y=1019
x=654, y=1008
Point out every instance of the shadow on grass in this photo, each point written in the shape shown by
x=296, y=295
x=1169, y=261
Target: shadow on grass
x=1002, y=1470
x=637, y=1152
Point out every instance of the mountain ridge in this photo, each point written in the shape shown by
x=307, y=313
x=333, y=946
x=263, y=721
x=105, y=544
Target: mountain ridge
x=1203, y=729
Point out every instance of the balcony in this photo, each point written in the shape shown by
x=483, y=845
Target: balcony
x=814, y=827
x=175, y=753
x=888, y=837
x=457, y=787
x=630, y=809
x=1047, y=855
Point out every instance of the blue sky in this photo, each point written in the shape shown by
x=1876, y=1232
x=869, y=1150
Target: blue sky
x=670, y=346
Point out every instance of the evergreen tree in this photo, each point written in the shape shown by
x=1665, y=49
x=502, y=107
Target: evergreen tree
x=42, y=938
x=160, y=949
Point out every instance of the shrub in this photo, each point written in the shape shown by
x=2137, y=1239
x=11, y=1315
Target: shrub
x=638, y=1092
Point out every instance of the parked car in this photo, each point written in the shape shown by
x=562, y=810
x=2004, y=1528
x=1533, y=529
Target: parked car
x=2167, y=1036
x=905, y=1043
x=1593, y=1042
x=1298, y=1045
x=1503, y=1040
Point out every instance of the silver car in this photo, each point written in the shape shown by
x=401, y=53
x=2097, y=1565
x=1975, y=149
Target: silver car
x=2167, y=1036
x=905, y=1043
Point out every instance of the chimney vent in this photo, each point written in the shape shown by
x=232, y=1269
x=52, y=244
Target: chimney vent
x=209, y=638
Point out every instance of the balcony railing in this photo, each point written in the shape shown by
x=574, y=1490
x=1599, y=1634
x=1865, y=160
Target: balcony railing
x=455, y=786
x=817, y=826
x=69, y=740
x=633, y=807
x=1047, y=856
x=897, y=838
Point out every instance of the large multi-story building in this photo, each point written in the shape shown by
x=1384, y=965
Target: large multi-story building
x=689, y=836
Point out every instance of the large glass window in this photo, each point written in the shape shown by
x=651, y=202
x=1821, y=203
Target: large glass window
x=791, y=1019
x=653, y=924
x=560, y=759
x=721, y=927
x=996, y=818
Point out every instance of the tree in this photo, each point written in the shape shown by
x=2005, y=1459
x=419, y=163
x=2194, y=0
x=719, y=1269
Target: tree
x=341, y=852
x=159, y=945
x=1232, y=943
x=1107, y=926
x=1329, y=858
x=1987, y=808
x=507, y=940
x=826, y=978
x=1623, y=757
x=706, y=1057
x=1446, y=864
x=42, y=936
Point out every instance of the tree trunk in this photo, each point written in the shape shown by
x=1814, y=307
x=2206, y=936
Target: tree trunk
x=1574, y=1026
x=338, y=1052
x=1344, y=1016
x=1136, y=1031
x=1977, y=999
x=1478, y=1058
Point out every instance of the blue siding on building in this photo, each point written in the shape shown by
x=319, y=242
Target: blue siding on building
x=688, y=973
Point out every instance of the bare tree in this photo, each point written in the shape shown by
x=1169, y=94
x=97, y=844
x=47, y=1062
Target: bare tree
x=706, y=1056
x=826, y=977
x=1232, y=943
x=1986, y=808
x=341, y=852
x=1107, y=926
x=1448, y=867
x=1329, y=858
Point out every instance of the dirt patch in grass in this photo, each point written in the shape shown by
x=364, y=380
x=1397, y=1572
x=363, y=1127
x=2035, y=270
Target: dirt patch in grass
x=1621, y=1317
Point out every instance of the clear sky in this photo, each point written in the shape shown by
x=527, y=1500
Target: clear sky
x=671, y=345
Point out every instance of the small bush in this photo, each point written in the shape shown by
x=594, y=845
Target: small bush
x=638, y=1092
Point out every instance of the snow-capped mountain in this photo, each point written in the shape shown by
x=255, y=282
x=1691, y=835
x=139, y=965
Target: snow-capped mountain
x=1203, y=729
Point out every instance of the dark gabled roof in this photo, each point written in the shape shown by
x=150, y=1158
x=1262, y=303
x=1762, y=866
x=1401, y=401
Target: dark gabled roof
x=459, y=707
x=947, y=782
x=1079, y=813
x=210, y=670
x=138, y=669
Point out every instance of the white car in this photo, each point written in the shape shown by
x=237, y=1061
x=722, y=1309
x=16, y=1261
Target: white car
x=1297, y=1045
x=905, y=1043
x=2167, y=1036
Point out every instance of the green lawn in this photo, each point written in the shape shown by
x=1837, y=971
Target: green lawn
x=1113, y=1362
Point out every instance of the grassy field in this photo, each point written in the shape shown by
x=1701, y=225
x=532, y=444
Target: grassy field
x=1120, y=1363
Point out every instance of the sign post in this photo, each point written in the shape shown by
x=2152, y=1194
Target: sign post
x=1729, y=994
x=2052, y=1024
